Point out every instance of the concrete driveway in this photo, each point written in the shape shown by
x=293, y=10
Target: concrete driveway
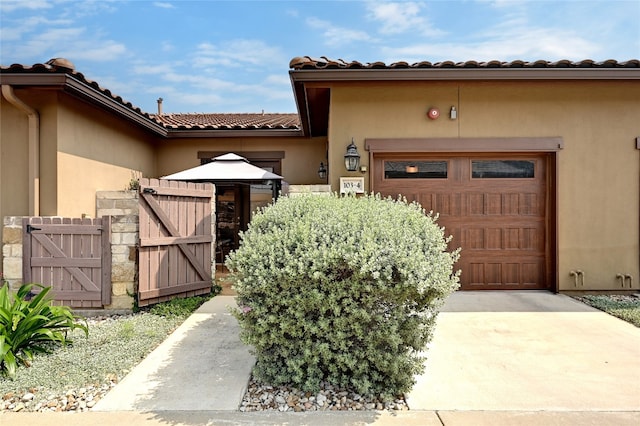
x=529, y=351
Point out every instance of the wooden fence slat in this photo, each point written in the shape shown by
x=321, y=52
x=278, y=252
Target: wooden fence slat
x=165, y=241
x=64, y=262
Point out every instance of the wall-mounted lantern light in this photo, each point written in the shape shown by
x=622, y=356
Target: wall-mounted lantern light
x=322, y=171
x=352, y=158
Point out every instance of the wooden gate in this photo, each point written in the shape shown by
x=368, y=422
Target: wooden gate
x=72, y=256
x=175, y=240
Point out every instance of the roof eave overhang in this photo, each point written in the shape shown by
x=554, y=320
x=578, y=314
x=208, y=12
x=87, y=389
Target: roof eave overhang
x=443, y=74
x=230, y=133
x=300, y=96
x=84, y=92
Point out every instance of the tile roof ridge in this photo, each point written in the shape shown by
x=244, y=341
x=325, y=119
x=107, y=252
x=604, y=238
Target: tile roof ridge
x=309, y=63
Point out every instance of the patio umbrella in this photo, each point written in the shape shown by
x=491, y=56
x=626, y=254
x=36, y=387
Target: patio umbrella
x=227, y=168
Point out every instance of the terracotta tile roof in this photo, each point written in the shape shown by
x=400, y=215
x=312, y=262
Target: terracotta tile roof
x=308, y=63
x=245, y=121
x=64, y=66
x=257, y=121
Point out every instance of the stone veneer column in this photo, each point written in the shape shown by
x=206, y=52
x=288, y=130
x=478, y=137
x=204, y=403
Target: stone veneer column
x=12, y=251
x=122, y=206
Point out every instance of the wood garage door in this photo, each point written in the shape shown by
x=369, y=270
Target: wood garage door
x=494, y=206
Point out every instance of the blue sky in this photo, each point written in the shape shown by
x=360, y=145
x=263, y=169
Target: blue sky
x=233, y=56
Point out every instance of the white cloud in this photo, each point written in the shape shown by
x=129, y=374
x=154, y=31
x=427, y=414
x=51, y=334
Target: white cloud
x=529, y=45
x=167, y=46
x=163, y=5
x=236, y=53
x=11, y=5
x=29, y=24
x=103, y=51
x=278, y=79
x=336, y=36
x=145, y=69
x=398, y=18
x=72, y=44
x=395, y=17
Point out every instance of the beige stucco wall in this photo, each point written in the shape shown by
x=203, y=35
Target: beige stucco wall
x=97, y=152
x=299, y=166
x=598, y=169
x=82, y=150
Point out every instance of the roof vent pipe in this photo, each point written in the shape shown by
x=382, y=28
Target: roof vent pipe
x=159, y=106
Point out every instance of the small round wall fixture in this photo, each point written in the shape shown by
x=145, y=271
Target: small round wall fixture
x=433, y=113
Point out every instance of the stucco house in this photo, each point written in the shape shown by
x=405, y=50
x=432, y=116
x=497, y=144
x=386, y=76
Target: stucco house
x=533, y=167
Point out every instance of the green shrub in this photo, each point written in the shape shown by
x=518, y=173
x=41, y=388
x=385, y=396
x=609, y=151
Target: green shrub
x=341, y=290
x=29, y=324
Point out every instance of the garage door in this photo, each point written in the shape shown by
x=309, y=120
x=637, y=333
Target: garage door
x=494, y=207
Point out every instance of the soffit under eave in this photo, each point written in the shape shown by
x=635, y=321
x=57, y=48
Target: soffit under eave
x=313, y=102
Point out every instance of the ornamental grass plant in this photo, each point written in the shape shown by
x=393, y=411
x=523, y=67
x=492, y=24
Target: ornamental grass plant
x=341, y=290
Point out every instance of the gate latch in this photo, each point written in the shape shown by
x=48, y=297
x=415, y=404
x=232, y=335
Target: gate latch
x=32, y=228
x=149, y=191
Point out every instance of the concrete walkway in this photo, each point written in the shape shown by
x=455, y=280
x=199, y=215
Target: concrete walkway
x=201, y=366
x=497, y=358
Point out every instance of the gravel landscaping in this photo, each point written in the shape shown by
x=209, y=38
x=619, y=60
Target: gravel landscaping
x=260, y=397
x=625, y=307
x=75, y=377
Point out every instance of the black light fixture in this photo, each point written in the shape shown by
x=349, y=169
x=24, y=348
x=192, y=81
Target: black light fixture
x=322, y=171
x=352, y=158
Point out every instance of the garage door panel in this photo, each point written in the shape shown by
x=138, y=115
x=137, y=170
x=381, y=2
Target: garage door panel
x=511, y=238
x=427, y=201
x=448, y=204
x=483, y=274
x=493, y=239
x=530, y=205
x=475, y=203
x=498, y=204
x=493, y=204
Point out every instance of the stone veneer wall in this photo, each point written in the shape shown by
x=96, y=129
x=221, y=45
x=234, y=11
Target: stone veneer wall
x=122, y=206
x=295, y=190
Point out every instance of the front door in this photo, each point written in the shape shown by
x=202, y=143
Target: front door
x=232, y=216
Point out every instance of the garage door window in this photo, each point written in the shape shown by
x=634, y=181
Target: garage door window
x=502, y=169
x=415, y=169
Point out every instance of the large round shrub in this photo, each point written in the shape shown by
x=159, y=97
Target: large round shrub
x=341, y=290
